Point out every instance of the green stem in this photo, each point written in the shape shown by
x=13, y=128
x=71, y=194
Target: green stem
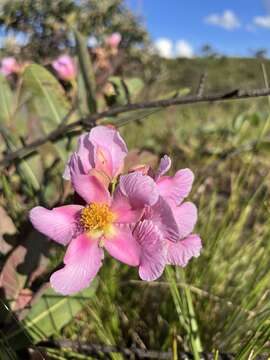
x=87, y=71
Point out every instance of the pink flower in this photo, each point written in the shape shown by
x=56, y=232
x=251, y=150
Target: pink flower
x=165, y=234
x=104, y=222
x=65, y=67
x=114, y=40
x=103, y=149
x=9, y=66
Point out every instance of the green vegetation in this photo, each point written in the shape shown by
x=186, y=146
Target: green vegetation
x=221, y=299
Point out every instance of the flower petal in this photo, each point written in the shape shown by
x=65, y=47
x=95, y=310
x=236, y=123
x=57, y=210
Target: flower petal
x=175, y=188
x=110, y=150
x=140, y=189
x=164, y=166
x=122, y=208
x=85, y=151
x=82, y=262
x=123, y=246
x=59, y=224
x=90, y=188
x=181, y=252
x=162, y=216
x=153, y=250
x=186, y=218
x=82, y=161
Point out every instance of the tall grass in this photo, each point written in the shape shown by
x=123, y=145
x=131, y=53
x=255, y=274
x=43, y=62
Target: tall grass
x=221, y=299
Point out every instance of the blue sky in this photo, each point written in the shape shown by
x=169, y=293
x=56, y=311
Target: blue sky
x=233, y=27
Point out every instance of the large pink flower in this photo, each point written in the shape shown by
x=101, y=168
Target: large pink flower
x=103, y=149
x=65, y=67
x=9, y=66
x=105, y=222
x=168, y=224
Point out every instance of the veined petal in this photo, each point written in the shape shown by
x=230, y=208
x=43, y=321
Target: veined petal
x=175, y=188
x=90, y=188
x=181, y=252
x=123, y=246
x=140, y=189
x=186, y=218
x=164, y=166
x=83, y=260
x=153, y=250
x=122, y=208
x=59, y=224
x=162, y=216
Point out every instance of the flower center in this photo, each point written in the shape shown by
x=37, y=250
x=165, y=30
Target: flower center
x=96, y=217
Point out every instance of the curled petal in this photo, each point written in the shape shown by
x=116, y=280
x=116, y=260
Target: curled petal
x=162, y=216
x=175, y=188
x=59, y=224
x=110, y=150
x=82, y=262
x=153, y=250
x=186, y=218
x=140, y=189
x=75, y=166
x=85, y=150
x=90, y=188
x=164, y=166
x=123, y=246
x=181, y=252
x=82, y=161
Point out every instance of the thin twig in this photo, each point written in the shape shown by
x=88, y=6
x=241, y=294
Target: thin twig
x=91, y=120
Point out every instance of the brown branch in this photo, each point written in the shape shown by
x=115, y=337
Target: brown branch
x=91, y=120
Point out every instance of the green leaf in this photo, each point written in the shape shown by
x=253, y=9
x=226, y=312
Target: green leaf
x=47, y=99
x=29, y=169
x=48, y=315
x=6, y=102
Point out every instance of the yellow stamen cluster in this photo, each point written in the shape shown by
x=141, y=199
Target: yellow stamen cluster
x=96, y=217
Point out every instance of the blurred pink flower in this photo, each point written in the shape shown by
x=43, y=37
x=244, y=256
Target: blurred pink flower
x=165, y=232
x=65, y=67
x=114, y=40
x=105, y=222
x=9, y=66
x=103, y=149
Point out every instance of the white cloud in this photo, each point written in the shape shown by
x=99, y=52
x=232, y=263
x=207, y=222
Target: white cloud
x=164, y=47
x=262, y=21
x=183, y=49
x=228, y=20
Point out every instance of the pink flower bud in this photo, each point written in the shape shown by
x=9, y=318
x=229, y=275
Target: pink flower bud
x=9, y=66
x=114, y=40
x=65, y=67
